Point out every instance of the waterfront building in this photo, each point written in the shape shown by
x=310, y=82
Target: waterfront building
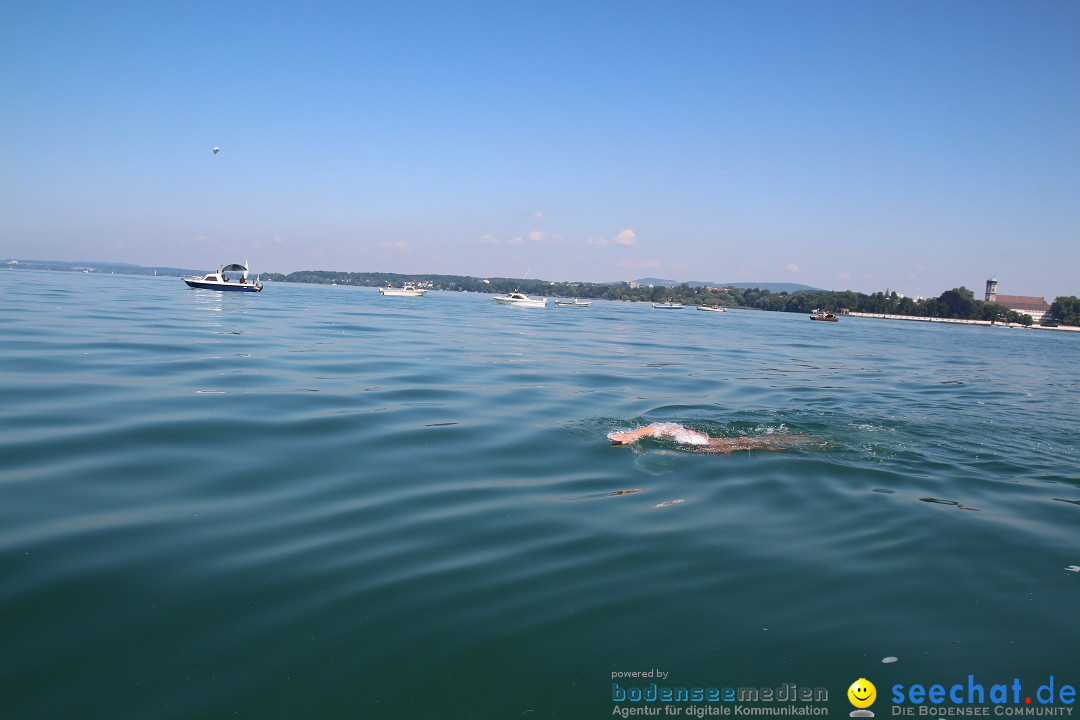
x=1036, y=307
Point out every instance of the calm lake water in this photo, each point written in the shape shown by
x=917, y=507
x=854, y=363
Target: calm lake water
x=316, y=502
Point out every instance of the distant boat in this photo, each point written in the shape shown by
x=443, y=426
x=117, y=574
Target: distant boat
x=405, y=290
x=667, y=306
x=572, y=303
x=824, y=317
x=220, y=281
x=521, y=300
x=711, y=308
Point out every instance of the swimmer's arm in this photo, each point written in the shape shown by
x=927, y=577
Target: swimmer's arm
x=673, y=431
x=631, y=436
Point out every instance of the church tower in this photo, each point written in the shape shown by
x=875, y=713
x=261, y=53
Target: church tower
x=991, y=290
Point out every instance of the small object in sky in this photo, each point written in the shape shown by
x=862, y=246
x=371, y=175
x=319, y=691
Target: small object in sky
x=888, y=660
x=217, y=150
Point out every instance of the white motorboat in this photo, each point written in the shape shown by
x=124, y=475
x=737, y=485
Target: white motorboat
x=667, y=306
x=711, y=308
x=572, y=303
x=521, y=300
x=405, y=290
x=220, y=280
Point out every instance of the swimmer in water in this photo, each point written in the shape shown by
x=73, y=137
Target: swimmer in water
x=701, y=442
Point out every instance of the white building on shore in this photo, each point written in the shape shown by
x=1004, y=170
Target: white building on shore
x=1036, y=307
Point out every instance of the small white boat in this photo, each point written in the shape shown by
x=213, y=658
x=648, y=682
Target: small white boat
x=711, y=308
x=521, y=300
x=405, y=290
x=667, y=306
x=572, y=303
x=220, y=280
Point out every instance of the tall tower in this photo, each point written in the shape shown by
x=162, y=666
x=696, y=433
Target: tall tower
x=991, y=289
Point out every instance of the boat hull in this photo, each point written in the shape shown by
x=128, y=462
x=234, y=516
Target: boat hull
x=406, y=290
x=223, y=287
x=518, y=302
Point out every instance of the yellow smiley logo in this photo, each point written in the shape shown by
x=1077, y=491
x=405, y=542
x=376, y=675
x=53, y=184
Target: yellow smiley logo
x=862, y=693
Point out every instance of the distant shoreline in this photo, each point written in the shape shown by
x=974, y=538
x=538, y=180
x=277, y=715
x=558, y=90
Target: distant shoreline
x=733, y=298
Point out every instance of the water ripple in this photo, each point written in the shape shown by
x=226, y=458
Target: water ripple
x=311, y=499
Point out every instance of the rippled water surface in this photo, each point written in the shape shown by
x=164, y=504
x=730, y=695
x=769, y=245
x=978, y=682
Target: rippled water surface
x=318, y=502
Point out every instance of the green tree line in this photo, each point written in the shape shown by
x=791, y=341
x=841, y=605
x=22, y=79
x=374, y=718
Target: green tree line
x=959, y=303
x=1065, y=310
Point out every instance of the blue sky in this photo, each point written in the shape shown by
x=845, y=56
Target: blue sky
x=862, y=145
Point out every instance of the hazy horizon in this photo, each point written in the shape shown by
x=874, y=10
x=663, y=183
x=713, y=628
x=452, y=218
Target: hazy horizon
x=840, y=145
x=796, y=287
